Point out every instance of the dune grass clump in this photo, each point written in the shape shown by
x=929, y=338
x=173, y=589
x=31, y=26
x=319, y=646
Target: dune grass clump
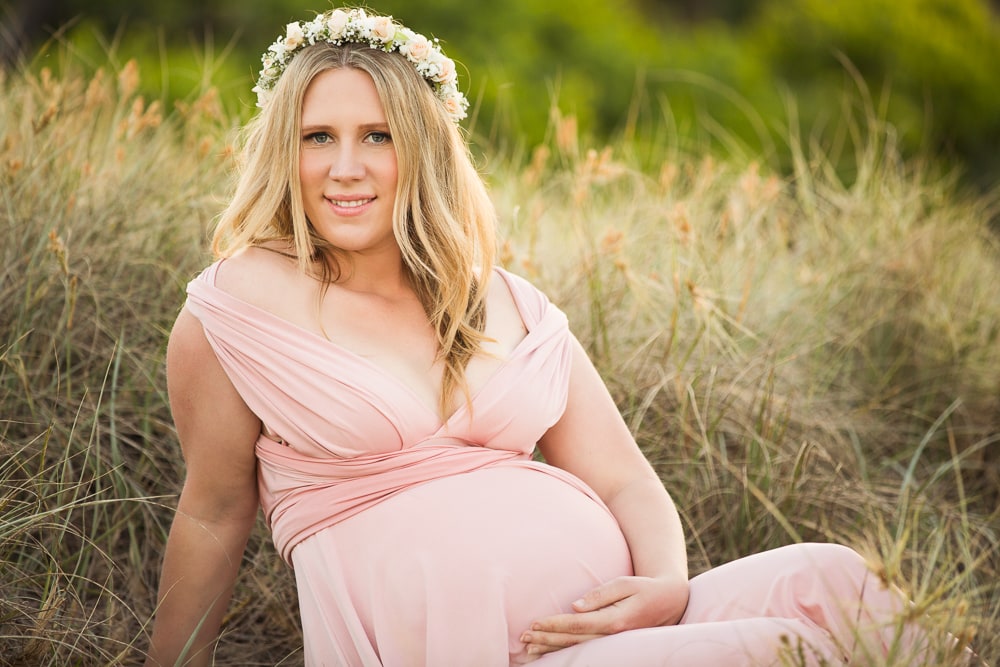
x=105, y=206
x=802, y=358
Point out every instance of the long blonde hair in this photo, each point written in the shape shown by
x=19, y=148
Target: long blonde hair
x=444, y=220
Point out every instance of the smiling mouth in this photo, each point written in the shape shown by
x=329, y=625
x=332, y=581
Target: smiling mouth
x=351, y=203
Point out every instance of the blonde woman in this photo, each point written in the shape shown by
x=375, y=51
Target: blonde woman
x=355, y=365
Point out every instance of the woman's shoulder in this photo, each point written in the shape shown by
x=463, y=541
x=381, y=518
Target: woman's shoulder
x=260, y=275
x=532, y=303
x=522, y=288
x=248, y=271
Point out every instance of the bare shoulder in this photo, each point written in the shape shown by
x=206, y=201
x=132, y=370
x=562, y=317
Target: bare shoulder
x=208, y=411
x=187, y=343
x=194, y=372
x=253, y=273
x=499, y=296
x=504, y=323
x=269, y=278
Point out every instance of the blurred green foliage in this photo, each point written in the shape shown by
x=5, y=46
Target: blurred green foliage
x=932, y=66
x=645, y=70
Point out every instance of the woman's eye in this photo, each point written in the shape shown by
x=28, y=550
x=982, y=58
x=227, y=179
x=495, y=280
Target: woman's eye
x=379, y=137
x=318, y=138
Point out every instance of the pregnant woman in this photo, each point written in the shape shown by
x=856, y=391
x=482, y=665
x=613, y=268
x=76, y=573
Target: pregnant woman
x=356, y=365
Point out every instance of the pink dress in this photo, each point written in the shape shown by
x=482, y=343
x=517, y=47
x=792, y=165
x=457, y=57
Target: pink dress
x=417, y=542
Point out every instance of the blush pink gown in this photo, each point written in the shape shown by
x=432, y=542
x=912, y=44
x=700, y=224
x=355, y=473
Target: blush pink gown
x=416, y=542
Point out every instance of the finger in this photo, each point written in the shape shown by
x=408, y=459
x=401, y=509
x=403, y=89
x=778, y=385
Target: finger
x=544, y=642
x=584, y=623
x=537, y=650
x=606, y=594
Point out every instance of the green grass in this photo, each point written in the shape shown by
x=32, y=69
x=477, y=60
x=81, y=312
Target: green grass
x=800, y=357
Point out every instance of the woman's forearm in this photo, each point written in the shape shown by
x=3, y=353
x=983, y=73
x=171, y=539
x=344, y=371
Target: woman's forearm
x=652, y=527
x=200, y=567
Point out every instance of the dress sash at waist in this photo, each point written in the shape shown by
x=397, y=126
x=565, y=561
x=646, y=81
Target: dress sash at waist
x=301, y=495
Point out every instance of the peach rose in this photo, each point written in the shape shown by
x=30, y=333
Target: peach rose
x=446, y=71
x=417, y=48
x=454, y=106
x=383, y=29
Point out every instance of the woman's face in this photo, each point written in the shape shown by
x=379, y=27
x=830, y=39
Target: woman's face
x=347, y=163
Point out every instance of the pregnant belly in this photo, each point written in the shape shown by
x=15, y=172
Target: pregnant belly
x=469, y=561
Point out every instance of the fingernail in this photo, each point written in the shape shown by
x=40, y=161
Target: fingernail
x=578, y=603
x=525, y=638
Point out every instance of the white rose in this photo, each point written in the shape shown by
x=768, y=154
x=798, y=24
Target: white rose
x=337, y=22
x=294, y=36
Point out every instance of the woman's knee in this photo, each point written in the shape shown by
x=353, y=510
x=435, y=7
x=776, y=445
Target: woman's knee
x=834, y=555
x=839, y=568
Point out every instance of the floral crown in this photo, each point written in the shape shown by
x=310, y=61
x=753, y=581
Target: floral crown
x=354, y=26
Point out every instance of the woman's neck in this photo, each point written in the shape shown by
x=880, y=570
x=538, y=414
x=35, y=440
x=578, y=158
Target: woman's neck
x=383, y=275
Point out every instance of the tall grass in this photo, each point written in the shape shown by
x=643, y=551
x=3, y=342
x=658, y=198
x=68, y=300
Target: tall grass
x=800, y=357
x=106, y=199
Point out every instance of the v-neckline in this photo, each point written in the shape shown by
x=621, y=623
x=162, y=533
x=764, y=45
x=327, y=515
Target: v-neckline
x=392, y=377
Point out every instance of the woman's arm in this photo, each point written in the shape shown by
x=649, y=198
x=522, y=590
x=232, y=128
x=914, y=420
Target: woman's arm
x=218, y=504
x=592, y=441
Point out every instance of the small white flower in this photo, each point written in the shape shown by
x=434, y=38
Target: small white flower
x=314, y=27
x=365, y=25
x=262, y=96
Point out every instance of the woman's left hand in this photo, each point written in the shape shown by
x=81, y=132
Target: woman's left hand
x=624, y=603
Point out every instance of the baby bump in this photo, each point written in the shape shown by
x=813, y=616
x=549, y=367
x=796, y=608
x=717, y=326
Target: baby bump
x=475, y=556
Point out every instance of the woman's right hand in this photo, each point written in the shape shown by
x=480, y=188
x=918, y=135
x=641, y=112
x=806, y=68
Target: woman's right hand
x=624, y=603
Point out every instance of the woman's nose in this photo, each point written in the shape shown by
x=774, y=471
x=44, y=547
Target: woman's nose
x=347, y=165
